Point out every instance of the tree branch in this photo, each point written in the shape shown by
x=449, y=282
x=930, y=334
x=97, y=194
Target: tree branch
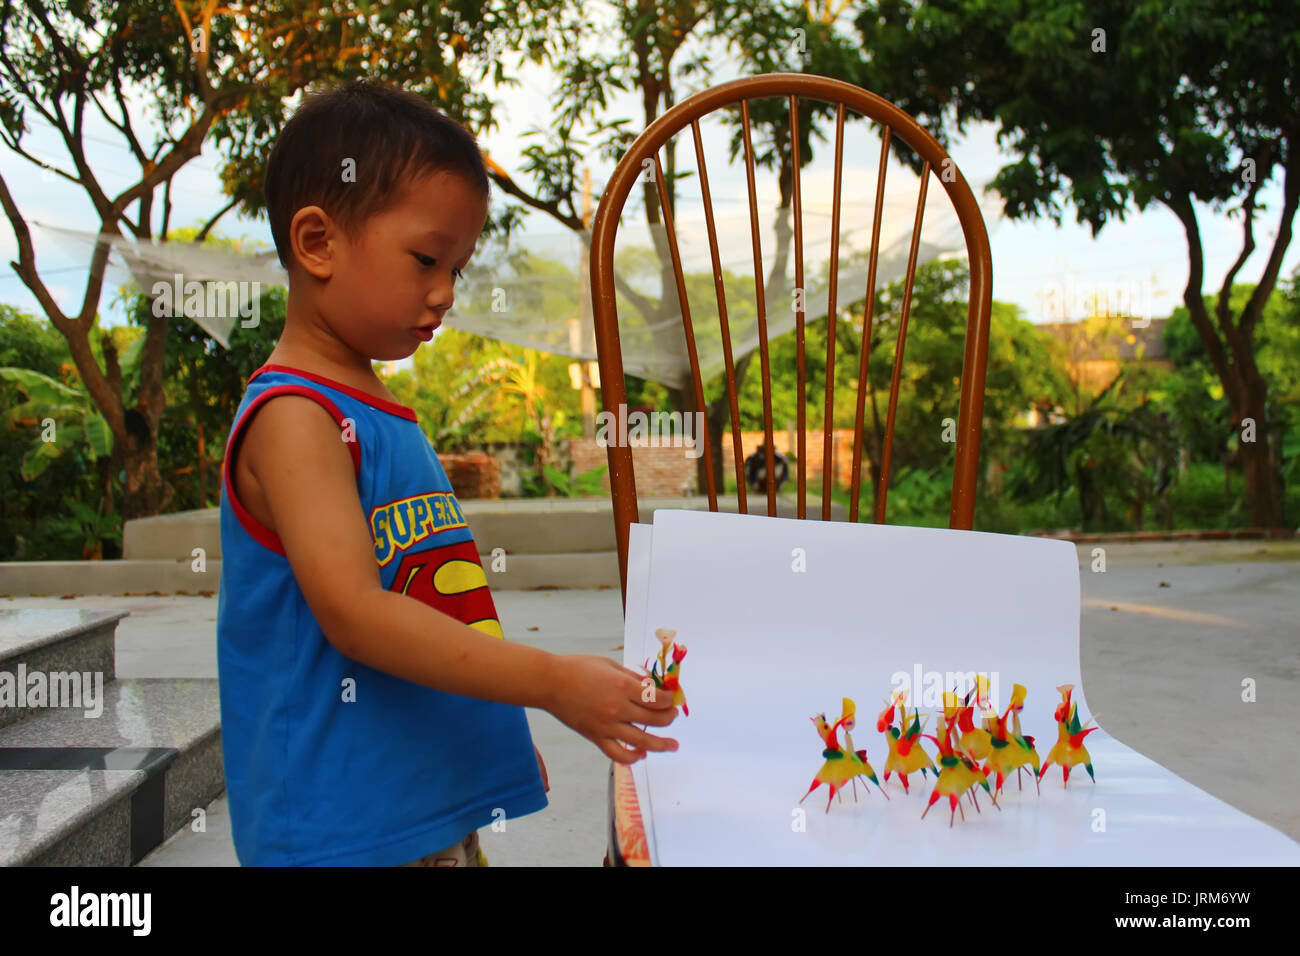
x=1248, y=242
x=643, y=305
x=502, y=179
x=25, y=267
x=14, y=145
x=76, y=332
x=1268, y=280
x=1181, y=205
x=213, y=221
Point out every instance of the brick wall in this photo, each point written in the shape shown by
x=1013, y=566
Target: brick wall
x=670, y=471
x=841, y=454
x=665, y=471
x=473, y=474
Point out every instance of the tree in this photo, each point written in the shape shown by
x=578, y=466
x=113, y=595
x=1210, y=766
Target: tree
x=659, y=50
x=1202, y=413
x=1115, y=103
x=223, y=72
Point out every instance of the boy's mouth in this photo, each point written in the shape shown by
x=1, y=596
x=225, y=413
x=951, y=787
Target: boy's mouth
x=425, y=332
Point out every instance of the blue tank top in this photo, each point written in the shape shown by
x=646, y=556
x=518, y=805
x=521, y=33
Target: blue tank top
x=329, y=762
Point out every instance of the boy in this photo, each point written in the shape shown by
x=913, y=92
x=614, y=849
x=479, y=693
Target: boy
x=371, y=709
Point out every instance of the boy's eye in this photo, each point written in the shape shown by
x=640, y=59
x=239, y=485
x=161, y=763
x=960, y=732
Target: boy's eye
x=428, y=261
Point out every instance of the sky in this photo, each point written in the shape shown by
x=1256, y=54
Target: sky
x=1049, y=271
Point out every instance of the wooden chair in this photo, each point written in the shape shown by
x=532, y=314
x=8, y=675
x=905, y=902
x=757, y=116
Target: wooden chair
x=644, y=151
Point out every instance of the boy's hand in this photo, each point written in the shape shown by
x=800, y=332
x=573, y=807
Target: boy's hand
x=603, y=701
x=546, y=783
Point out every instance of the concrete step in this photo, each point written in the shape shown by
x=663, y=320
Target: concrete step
x=548, y=542
x=173, y=537
x=57, y=578
x=74, y=645
x=517, y=525
x=524, y=572
x=79, y=790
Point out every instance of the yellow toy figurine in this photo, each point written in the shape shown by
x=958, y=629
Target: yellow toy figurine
x=958, y=775
x=840, y=766
x=1011, y=751
x=667, y=675
x=976, y=742
x=1069, y=750
x=906, y=755
x=856, y=757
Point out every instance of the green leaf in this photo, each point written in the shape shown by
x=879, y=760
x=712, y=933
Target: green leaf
x=42, y=388
x=129, y=361
x=99, y=436
x=38, y=458
x=83, y=512
x=12, y=416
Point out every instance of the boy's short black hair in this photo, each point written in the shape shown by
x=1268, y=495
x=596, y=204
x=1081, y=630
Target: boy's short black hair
x=389, y=133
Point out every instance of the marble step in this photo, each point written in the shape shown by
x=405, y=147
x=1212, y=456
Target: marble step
x=84, y=789
x=64, y=649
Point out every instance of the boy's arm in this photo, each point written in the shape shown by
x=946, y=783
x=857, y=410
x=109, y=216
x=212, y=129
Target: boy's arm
x=296, y=453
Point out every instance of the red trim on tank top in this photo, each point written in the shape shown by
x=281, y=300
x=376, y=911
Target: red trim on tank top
x=256, y=530
x=401, y=411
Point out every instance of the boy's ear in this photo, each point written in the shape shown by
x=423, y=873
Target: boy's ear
x=312, y=234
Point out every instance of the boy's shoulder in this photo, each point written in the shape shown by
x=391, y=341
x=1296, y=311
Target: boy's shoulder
x=331, y=393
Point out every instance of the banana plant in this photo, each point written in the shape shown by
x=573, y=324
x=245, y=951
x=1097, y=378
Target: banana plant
x=77, y=423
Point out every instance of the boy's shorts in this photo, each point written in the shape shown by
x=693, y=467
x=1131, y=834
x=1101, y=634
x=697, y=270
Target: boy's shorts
x=464, y=852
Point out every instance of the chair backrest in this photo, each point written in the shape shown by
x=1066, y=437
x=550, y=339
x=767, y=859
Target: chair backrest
x=644, y=151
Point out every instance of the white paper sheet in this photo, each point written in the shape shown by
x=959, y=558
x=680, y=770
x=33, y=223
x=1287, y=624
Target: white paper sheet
x=770, y=646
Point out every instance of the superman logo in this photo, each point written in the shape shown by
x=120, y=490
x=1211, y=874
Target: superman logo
x=451, y=579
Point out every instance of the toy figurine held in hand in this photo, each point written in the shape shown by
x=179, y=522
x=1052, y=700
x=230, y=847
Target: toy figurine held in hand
x=668, y=675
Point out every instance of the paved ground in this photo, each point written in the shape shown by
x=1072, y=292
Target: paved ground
x=1170, y=631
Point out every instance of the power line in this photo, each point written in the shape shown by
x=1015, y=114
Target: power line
x=115, y=144
x=48, y=272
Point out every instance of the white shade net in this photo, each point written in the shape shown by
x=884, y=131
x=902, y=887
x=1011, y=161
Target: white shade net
x=532, y=289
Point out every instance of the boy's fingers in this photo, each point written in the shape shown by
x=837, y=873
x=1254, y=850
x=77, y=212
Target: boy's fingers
x=638, y=738
x=648, y=695
x=618, y=753
x=658, y=715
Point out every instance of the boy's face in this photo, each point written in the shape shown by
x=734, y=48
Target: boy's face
x=389, y=287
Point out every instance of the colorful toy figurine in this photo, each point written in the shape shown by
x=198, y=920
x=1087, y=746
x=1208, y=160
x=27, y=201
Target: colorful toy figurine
x=857, y=757
x=959, y=773
x=976, y=742
x=1069, y=750
x=1010, y=751
x=906, y=755
x=667, y=675
x=842, y=764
